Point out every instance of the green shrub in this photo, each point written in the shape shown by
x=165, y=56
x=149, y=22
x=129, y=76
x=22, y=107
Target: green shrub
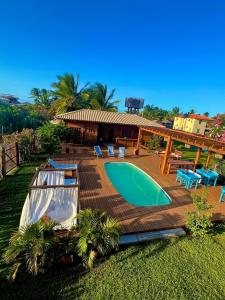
x=220, y=167
x=154, y=143
x=26, y=143
x=29, y=248
x=50, y=136
x=199, y=221
x=99, y=234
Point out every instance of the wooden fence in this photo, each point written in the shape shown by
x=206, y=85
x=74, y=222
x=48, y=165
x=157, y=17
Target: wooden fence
x=10, y=158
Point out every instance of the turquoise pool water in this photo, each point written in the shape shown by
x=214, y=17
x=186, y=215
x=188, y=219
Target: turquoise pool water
x=135, y=186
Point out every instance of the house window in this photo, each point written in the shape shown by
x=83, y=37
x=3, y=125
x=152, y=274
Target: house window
x=198, y=130
x=200, y=122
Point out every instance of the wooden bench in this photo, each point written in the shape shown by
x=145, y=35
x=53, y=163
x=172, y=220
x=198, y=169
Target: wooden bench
x=179, y=164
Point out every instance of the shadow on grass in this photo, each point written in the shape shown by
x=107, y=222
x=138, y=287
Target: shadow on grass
x=13, y=191
x=42, y=286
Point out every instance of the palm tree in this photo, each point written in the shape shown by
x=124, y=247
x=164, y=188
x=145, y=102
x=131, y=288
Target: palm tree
x=29, y=246
x=42, y=97
x=69, y=96
x=192, y=111
x=98, y=234
x=206, y=114
x=174, y=112
x=100, y=99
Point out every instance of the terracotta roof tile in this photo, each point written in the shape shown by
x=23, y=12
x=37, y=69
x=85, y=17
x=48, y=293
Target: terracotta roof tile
x=89, y=115
x=200, y=117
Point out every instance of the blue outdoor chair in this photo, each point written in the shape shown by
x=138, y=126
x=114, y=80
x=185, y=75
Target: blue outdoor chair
x=188, y=178
x=110, y=151
x=55, y=165
x=121, y=152
x=98, y=151
x=222, y=194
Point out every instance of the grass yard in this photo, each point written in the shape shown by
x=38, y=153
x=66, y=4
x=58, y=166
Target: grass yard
x=190, y=154
x=173, y=269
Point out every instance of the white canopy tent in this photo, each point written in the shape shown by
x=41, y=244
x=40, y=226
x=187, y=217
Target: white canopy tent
x=49, y=196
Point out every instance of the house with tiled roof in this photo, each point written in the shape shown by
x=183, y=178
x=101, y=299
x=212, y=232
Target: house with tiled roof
x=91, y=126
x=8, y=99
x=192, y=123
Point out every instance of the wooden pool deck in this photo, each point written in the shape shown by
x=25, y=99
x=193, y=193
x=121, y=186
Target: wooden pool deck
x=97, y=192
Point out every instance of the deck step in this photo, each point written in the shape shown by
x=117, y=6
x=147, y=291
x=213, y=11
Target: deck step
x=149, y=236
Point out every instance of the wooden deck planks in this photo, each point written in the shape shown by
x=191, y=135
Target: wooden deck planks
x=97, y=192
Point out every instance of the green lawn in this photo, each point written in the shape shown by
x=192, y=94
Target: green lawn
x=190, y=154
x=174, y=269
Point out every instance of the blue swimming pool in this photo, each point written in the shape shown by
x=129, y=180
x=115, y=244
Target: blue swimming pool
x=135, y=186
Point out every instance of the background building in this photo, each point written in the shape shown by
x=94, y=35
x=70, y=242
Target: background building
x=8, y=99
x=192, y=123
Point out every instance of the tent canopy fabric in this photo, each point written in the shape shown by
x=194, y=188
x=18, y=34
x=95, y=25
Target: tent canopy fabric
x=58, y=203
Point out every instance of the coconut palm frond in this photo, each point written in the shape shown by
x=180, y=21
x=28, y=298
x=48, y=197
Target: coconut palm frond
x=69, y=96
x=100, y=99
x=28, y=247
x=13, y=271
x=82, y=245
x=91, y=259
x=97, y=232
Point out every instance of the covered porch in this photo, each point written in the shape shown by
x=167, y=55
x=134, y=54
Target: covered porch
x=170, y=135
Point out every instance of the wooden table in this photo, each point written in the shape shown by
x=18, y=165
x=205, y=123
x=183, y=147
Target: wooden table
x=179, y=163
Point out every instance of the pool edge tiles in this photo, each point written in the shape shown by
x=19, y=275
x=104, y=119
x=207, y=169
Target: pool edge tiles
x=135, y=185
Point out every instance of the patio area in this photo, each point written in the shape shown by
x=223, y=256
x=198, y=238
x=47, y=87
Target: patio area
x=97, y=192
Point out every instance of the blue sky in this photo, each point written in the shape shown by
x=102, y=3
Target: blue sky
x=171, y=53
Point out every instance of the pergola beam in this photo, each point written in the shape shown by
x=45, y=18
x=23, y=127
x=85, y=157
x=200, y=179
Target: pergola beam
x=188, y=138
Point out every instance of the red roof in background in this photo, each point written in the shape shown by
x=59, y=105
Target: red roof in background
x=200, y=117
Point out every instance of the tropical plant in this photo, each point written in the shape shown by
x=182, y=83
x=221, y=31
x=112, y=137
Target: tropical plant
x=154, y=143
x=50, y=136
x=98, y=234
x=26, y=143
x=15, y=118
x=220, y=167
x=68, y=95
x=217, y=131
x=199, y=221
x=192, y=111
x=29, y=248
x=154, y=113
x=42, y=97
x=100, y=99
x=174, y=112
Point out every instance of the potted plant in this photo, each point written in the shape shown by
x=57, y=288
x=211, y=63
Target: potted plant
x=29, y=248
x=99, y=234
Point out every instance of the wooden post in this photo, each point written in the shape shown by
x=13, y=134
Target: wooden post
x=198, y=154
x=138, y=142
x=208, y=159
x=17, y=154
x=171, y=146
x=3, y=161
x=167, y=152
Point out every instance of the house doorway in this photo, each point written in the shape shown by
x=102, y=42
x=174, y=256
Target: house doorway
x=111, y=135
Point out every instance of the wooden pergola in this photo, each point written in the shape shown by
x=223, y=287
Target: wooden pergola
x=171, y=135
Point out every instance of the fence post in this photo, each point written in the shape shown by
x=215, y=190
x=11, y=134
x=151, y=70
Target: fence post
x=17, y=154
x=3, y=161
